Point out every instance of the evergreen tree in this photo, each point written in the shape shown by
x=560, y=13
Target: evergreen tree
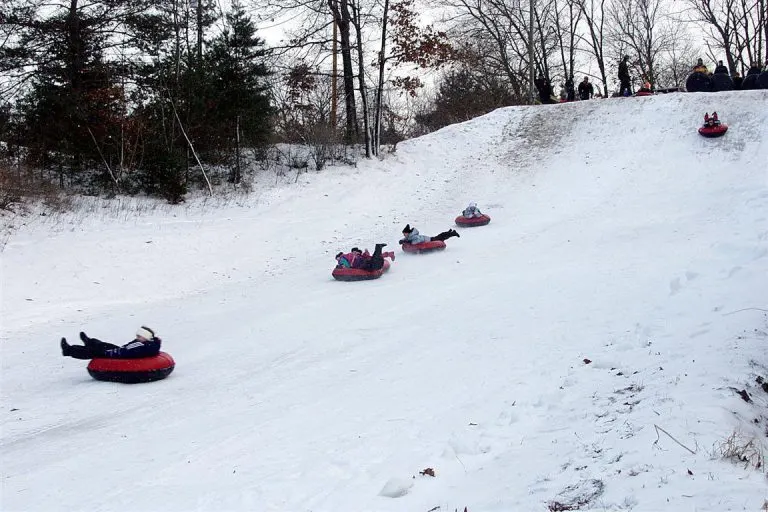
x=240, y=111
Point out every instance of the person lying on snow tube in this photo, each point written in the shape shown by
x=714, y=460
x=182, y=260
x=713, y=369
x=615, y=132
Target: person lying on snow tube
x=412, y=236
x=146, y=344
x=358, y=259
x=363, y=260
x=711, y=121
x=472, y=211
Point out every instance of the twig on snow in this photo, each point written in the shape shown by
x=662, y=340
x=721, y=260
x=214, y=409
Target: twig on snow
x=671, y=437
x=746, y=309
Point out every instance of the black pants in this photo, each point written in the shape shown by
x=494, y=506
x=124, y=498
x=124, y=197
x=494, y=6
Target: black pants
x=376, y=260
x=625, y=87
x=445, y=235
x=93, y=348
x=545, y=97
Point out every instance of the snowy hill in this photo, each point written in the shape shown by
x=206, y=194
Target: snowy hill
x=619, y=237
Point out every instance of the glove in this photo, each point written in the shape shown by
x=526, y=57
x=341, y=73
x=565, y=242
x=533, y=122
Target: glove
x=401, y=242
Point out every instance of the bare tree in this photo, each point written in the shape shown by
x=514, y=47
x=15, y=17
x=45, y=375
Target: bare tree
x=736, y=28
x=566, y=18
x=496, y=31
x=645, y=28
x=675, y=66
x=594, y=14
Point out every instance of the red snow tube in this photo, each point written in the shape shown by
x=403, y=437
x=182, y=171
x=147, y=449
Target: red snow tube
x=132, y=371
x=435, y=245
x=644, y=93
x=358, y=274
x=468, y=222
x=713, y=131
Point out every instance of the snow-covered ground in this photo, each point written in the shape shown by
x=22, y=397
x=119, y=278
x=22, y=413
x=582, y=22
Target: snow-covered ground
x=584, y=349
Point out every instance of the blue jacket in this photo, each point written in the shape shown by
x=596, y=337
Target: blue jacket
x=135, y=349
x=415, y=238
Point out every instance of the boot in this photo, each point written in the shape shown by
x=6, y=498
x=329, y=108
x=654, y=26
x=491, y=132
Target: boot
x=454, y=233
x=64, y=347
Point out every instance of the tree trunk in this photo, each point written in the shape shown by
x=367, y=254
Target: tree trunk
x=361, y=79
x=342, y=16
x=238, y=173
x=380, y=88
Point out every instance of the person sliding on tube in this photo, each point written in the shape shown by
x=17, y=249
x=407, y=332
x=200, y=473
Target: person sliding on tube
x=711, y=121
x=364, y=260
x=146, y=344
x=472, y=211
x=412, y=236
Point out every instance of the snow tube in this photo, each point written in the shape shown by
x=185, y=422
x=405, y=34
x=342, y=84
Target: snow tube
x=750, y=82
x=358, y=274
x=132, y=371
x=644, y=93
x=713, y=131
x=762, y=80
x=698, y=82
x=722, y=82
x=469, y=222
x=435, y=245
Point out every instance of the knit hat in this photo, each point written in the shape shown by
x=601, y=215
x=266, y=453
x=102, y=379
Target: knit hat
x=473, y=204
x=145, y=332
x=407, y=228
x=355, y=249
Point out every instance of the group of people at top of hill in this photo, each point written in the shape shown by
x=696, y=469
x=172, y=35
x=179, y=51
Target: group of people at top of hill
x=364, y=260
x=586, y=91
x=721, y=69
x=567, y=93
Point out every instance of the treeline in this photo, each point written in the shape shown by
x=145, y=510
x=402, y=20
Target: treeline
x=157, y=96
x=129, y=95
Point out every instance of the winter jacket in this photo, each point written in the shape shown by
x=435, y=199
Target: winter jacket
x=753, y=70
x=348, y=260
x=721, y=69
x=415, y=238
x=701, y=69
x=471, y=211
x=135, y=349
x=586, y=91
x=623, y=71
x=360, y=260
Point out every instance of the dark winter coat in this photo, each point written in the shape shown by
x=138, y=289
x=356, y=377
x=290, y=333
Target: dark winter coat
x=586, y=91
x=545, y=89
x=623, y=71
x=135, y=349
x=754, y=70
x=721, y=69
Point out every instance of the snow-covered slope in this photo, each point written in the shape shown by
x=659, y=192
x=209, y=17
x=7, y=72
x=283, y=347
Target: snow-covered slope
x=619, y=236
